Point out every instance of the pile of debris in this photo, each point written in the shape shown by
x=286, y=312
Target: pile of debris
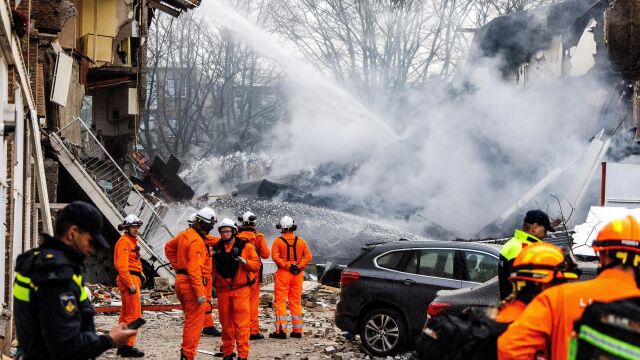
x=106, y=296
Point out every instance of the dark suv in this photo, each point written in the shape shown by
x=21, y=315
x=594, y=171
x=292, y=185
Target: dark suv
x=387, y=288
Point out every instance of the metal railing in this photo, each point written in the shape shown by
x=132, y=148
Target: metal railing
x=117, y=186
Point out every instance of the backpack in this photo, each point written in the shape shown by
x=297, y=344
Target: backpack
x=466, y=336
x=607, y=331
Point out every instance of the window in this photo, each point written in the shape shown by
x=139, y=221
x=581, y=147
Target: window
x=391, y=260
x=175, y=86
x=173, y=123
x=432, y=262
x=479, y=267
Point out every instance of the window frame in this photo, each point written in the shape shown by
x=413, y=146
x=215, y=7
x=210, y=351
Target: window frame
x=463, y=262
x=457, y=271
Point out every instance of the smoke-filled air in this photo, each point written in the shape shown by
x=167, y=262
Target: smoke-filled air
x=408, y=123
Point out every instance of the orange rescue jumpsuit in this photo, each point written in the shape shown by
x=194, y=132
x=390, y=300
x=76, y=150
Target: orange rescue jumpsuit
x=510, y=311
x=126, y=259
x=286, y=250
x=259, y=242
x=550, y=316
x=208, y=316
x=188, y=253
x=232, y=282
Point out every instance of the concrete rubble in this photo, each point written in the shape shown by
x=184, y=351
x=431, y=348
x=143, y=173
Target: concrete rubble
x=161, y=335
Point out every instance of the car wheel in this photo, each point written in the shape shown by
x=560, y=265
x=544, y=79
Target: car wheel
x=383, y=332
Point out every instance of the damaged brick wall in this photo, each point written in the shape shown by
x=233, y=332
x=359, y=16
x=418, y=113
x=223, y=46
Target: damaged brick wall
x=622, y=32
x=50, y=15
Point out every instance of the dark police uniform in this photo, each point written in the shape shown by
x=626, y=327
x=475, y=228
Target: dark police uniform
x=54, y=317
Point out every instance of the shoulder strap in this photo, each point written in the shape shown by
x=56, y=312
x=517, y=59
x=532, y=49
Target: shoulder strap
x=295, y=242
x=240, y=244
x=290, y=247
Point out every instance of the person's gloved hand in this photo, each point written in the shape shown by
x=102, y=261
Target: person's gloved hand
x=241, y=260
x=201, y=300
x=132, y=289
x=294, y=269
x=144, y=279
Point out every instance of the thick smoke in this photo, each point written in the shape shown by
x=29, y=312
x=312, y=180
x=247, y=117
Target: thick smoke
x=457, y=159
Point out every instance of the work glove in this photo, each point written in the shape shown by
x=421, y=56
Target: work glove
x=201, y=300
x=294, y=269
x=241, y=260
x=132, y=289
x=144, y=279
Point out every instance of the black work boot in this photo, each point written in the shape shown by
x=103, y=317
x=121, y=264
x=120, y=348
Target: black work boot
x=280, y=334
x=182, y=357
x=129, y=351
x=257, y=336
x=296, y=335
x=211, y=331
x=230, y=357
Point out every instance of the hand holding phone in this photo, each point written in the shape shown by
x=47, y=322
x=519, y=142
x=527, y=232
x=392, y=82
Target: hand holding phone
x=136, y=323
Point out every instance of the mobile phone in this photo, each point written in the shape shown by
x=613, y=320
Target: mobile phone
x=136, y=323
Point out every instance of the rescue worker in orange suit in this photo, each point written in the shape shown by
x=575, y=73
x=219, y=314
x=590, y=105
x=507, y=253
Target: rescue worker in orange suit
x=126, y=259
x=547, y=322
x=536, y=268
x=209, y=326
x=249, y=232
x=170, y=251
x=291, y=254
x=234, y=262
x=188, y=254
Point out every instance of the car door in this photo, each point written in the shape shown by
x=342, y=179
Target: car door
x=384, y=284
x=427, y=271
x=478, y=267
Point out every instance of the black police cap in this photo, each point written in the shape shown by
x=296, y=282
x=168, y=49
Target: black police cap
x=86, y=217
x=539, y=217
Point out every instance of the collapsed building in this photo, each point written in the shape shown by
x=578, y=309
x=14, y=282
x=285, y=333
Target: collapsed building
x=566, y=41
x=73, y=84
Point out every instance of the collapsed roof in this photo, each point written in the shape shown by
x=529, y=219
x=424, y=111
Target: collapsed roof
x=518, y=36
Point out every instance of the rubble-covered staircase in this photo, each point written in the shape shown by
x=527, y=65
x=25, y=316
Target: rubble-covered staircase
x=111, y=191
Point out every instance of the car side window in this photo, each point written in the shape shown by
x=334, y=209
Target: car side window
x=479, y=267
x=391, y=260
x=432, y=262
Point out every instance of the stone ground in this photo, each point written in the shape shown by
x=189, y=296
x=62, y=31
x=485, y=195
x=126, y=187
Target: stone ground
x=161, y=336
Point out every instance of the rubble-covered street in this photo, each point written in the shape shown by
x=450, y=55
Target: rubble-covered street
x=161, y=336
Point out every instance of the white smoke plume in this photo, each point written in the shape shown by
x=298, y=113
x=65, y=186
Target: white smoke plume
x=458, y=161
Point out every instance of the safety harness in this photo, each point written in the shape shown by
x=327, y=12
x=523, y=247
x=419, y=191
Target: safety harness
x=291, y=248
x=226, y=264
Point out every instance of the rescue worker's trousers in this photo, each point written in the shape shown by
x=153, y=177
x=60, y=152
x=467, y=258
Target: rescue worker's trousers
x=288, y=286
x=131, y=308
x=233, y=312
x=208, y=315
x=193, y=316
x=254, y=299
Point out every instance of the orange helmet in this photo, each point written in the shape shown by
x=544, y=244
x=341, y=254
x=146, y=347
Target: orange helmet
x=543, y=263
x=620, y=236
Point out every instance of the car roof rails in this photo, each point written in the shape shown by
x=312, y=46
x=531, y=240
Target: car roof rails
x=372, y=245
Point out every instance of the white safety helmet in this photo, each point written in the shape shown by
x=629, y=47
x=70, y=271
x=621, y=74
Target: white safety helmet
x=191, y=218
x=206, y=215
x=248, y=218
x=286, y=223
x=226, y=222
x=131, y=220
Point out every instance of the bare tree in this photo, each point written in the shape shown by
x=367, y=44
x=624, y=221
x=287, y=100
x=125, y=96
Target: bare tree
x=208, y=92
